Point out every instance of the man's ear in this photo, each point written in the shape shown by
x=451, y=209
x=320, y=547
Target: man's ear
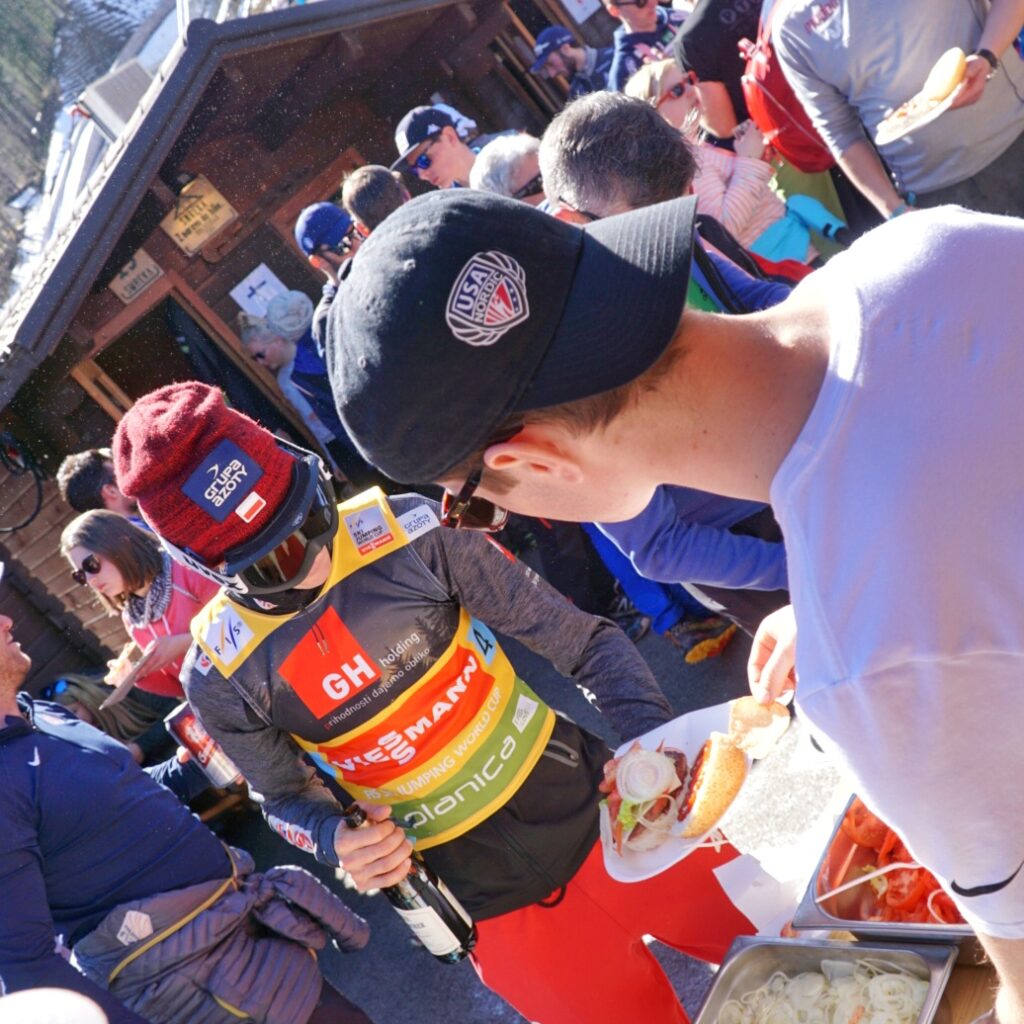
x=534, y=452
x=110, y=493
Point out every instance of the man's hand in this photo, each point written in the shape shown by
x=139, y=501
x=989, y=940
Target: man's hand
x=972, y=85
x=376, y=855
x=772, y=663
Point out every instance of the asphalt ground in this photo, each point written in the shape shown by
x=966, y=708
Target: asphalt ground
x=396, y=981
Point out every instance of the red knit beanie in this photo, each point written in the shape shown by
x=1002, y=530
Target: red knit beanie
x=205, y=477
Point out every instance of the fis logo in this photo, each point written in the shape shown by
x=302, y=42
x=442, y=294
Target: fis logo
x=227, y=636
x=328, y=666
x=487, y=299
x=368, y=529
x=223, y=483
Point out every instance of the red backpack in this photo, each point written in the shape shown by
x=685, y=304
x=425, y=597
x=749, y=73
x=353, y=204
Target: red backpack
x=774, y=107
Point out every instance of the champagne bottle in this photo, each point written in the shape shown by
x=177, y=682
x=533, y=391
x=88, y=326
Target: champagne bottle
x=426, y=905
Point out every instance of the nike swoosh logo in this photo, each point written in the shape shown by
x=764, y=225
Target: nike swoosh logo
x=985, y=890
x=35, y=762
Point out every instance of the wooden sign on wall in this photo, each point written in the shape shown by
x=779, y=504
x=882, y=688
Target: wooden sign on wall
x=135, y=276
x=200, y=211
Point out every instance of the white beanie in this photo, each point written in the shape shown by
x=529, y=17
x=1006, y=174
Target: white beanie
x=290, y=315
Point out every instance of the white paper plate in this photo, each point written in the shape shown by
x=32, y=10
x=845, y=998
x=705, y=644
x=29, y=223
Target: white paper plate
x=907, y=118
x=687, y=733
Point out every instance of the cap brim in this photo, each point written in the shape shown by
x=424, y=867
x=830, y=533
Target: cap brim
x=539, y=63
x=624, y=307
x=401, y=164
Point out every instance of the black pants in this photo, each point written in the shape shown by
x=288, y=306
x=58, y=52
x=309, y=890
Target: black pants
x=334, y=1008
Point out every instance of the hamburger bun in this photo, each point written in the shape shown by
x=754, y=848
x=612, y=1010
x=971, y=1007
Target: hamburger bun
x=715, y=779
x=756, y=728
x=946, y=74
x=120, y=667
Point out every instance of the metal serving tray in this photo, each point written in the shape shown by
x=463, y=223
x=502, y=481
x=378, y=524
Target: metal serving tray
x=847, y=911
x=751, y=961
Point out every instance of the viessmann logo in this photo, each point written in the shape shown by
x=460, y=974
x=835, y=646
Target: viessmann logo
x=328, y=666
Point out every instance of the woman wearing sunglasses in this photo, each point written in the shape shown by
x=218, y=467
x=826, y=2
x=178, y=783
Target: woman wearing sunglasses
x=734, y=187
x=132, y=576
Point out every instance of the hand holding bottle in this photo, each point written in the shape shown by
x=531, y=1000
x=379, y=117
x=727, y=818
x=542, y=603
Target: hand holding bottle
x=748, y=141
x=422, y=900
x=377, y=854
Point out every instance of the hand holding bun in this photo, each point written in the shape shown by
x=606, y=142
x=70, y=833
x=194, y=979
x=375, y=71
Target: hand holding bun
x=118, y=669
x=754, y=727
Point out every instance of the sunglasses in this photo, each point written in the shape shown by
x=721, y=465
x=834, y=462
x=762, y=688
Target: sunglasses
x=344, y=247
x=423, y=161
x=51, y=691
x=571, y=214
x=90, y=567
x=678, y=91
x=533, y=187
x=465, y=511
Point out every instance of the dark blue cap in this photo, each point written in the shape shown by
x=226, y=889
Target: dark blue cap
x=417, y=126
x=554, y=37
x=321, y=224
x=465, y=307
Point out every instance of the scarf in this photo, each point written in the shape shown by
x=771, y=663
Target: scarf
x=144, y=610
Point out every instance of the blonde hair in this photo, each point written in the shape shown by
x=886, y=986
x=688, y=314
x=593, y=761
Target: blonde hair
x=124, y=721
x=651, y=82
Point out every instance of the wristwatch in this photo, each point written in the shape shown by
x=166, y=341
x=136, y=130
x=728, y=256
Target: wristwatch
x=993, y=61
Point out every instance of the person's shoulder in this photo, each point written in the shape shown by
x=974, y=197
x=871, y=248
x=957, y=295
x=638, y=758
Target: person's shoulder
x=417, y=514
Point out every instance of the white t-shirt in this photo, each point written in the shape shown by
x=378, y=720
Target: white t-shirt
x=902, y=505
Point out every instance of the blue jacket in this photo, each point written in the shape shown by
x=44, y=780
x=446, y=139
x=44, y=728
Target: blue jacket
x=634, y=49
x=85, y=829
x=593, y=77
x=683, y=535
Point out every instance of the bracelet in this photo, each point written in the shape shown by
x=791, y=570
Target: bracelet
x=991, y=58
x=902, y=208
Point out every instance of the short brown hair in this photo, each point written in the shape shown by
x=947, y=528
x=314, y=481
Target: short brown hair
x=371, y=193
x=134, y=551
x=583, y=416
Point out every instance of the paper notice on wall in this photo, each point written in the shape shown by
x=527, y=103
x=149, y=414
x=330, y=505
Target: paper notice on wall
x=580, y=10
x=256, y=289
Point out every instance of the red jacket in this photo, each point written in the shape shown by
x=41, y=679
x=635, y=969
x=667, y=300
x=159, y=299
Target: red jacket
x=190, y=592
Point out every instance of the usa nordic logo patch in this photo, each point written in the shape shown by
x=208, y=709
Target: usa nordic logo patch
x=487, y=299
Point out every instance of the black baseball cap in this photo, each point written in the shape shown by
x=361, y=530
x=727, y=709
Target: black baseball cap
x=465, y=307
x=417, y=126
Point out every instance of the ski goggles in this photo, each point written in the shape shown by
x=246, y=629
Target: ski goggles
x=281, y=555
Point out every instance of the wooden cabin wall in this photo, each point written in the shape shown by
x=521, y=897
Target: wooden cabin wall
x=277, y=129
x=58, y=623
